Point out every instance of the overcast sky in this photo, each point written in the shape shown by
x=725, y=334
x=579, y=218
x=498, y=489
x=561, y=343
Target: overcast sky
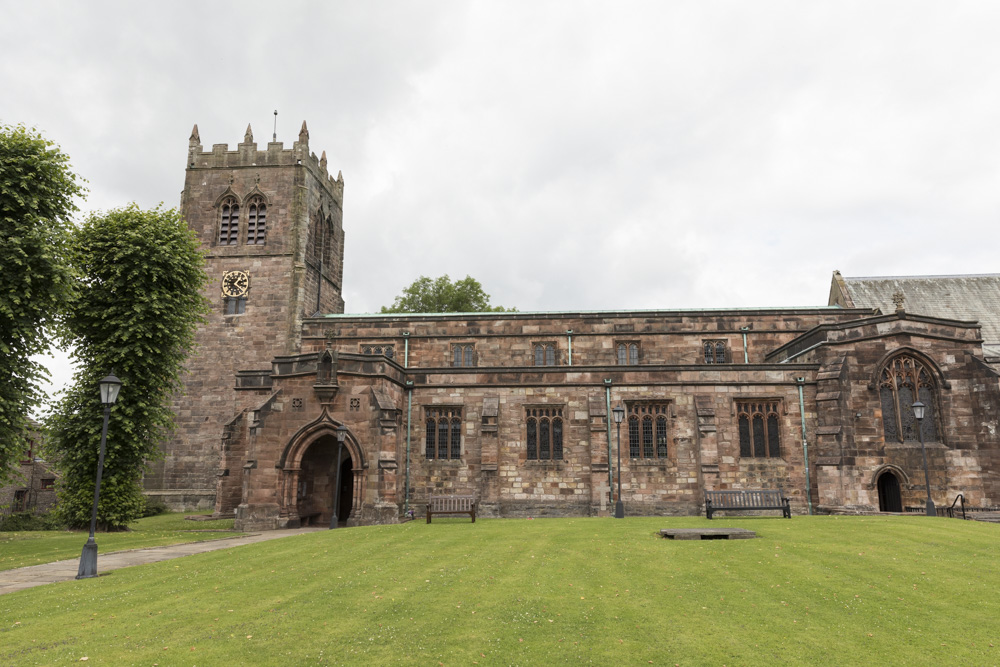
x=569, y=155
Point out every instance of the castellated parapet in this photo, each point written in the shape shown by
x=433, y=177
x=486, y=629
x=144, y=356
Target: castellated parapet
x=246, y=155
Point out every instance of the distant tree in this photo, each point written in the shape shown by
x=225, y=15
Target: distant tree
x=136, y=311
x=444, y=296
x=36, y=201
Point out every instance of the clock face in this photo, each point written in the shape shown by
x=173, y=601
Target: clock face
x=235, y=283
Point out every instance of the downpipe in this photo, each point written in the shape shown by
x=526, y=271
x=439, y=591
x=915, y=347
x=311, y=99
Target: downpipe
x=805, y=443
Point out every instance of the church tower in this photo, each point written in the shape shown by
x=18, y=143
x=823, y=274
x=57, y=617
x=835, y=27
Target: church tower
x=270, y=223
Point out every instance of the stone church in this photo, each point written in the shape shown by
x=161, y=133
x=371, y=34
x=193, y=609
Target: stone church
x=514, y=408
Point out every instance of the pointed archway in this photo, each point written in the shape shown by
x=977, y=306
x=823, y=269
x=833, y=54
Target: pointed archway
x=889, y=498
x=309, y=466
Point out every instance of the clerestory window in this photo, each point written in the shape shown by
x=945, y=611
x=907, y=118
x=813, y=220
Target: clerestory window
x=545, y=354
x=715, y=351
x=628, y=354
x=463, y=355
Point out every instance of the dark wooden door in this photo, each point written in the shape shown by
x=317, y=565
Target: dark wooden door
x=888, y=493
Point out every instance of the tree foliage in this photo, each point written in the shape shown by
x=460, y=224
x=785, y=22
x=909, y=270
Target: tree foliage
x=37, y=190
x=444, y=296
x=136, y=311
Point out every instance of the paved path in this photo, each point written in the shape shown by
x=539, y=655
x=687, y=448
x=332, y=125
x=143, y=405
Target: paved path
x=65, y=570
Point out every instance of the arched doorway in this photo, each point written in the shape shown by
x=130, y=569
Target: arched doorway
x=318, y=481
x=888, y=493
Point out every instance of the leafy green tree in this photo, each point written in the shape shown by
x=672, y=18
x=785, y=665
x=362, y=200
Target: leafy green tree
x=444, y=296
x=136, y=311
x=37, y=190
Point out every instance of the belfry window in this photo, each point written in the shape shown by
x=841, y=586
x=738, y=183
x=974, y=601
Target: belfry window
x=443, y=438
x=760, y=430
x=903, y=380
x=545, y=434
x=256, y=221
x=229, y=223
x=647, y=430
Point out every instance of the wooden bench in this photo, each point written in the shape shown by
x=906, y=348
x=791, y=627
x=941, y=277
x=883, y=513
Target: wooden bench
x=451, y=505
x=750, y=500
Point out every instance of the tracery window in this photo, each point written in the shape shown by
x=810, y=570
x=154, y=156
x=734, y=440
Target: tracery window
x=903, y=380
x=545, y=434
x=627, y=354
x=463, y=355
x=443, y=438
x=388, y=351
x=545, y=354
x=715, y=351
x=647, y=430
x=229, y=223
x=760, y=429
x=256, y=221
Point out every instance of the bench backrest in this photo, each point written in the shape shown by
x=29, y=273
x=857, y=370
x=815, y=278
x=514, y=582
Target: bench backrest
x=748, y=498
x=452, y=503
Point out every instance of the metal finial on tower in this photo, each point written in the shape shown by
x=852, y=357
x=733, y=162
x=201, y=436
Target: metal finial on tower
x=274, y=137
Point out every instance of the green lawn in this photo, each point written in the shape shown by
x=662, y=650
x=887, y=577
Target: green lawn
x=817, y=590
x=35, y=547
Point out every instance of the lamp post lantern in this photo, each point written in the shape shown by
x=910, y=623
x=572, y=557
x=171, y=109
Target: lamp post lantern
x=619, y=414
x=341, y=436
x=918, y=413
x=88, y=559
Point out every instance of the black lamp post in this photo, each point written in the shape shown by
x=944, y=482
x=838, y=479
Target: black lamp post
x=341, y=436
x=619, y=413
x=918, y=413
x=88, y=559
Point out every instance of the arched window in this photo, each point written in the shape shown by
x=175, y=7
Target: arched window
x=256, y=221
x=545, y=354
x=443, y=433
x=903, y=380
x=647, y=430
x=759, y=429
x=545, y=434
x=229, y=224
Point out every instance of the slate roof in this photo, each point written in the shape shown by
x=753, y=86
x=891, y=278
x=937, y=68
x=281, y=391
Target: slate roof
x=971, y=297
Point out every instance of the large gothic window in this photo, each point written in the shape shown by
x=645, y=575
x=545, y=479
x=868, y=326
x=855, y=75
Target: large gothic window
x=545, y=434
x=647, y=430
x=903, y=380
x=443, y=439
x=229, y=224
x=760, y=430
x=256, y=221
